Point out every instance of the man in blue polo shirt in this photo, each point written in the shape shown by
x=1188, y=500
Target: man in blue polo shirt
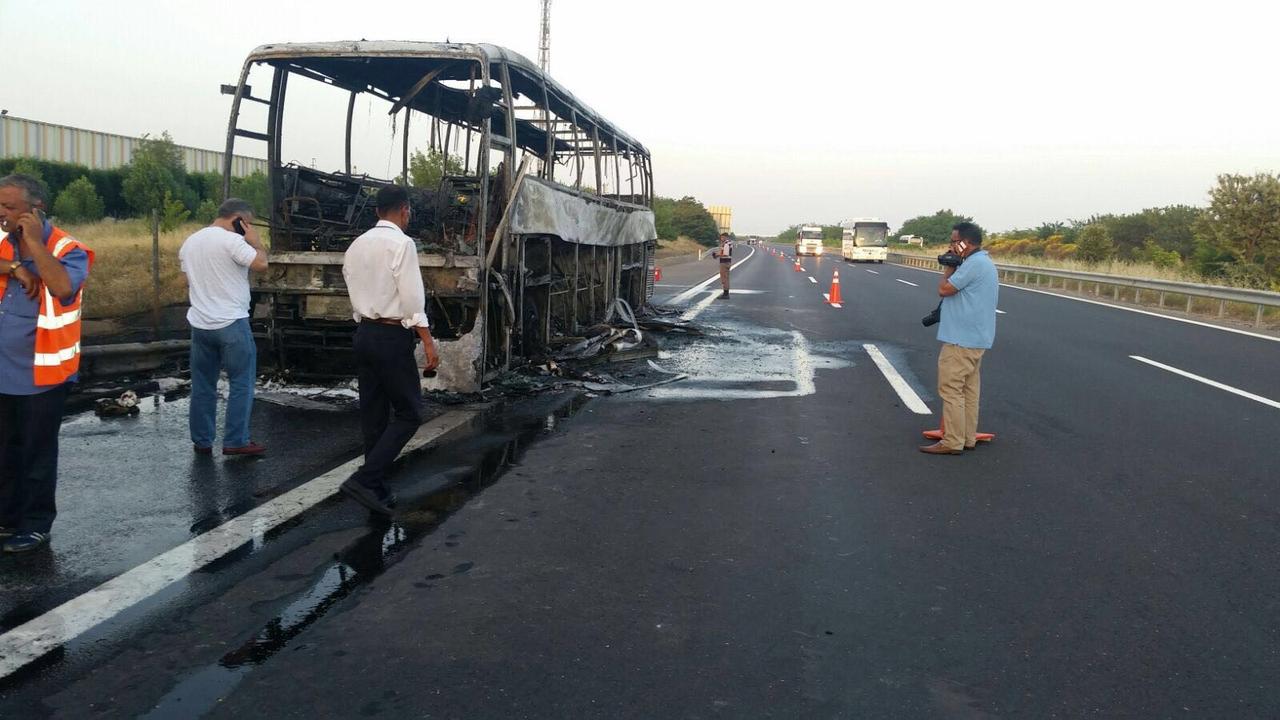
x=967, y=330
x=41, y=266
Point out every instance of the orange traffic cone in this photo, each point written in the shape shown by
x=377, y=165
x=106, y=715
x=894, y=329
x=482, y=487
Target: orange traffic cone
x=942, y=430
x=834, y=297
x=657, y=275
x=798, y=268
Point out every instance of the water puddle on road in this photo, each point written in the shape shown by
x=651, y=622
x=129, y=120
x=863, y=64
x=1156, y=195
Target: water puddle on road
x=747, y=362
x=499, y=447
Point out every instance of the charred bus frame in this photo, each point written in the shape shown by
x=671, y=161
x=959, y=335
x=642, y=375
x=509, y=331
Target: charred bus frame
x=516, y=250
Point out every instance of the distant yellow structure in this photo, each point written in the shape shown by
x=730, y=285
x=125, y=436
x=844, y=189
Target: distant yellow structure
x=723, y=215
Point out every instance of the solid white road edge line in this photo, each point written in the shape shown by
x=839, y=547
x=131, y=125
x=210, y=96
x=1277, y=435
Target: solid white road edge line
x=34, y=638
x=904, y=282
x=1188, y=321
x=890, y=373
x=1207, y=381
x=687, y=294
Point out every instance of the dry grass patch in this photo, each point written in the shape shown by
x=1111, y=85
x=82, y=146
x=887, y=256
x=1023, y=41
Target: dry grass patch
x=120, y=282
x=678, y=247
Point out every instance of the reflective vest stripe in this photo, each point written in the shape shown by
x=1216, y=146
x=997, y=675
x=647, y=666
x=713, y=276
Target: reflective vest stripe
x=56, y=359
x=61, y=245
x=57, y=322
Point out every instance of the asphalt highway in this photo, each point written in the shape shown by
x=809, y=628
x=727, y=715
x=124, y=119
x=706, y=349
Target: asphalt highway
x=763, y=539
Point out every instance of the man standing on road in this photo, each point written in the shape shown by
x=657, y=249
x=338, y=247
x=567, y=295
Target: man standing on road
x=967, y=329
x=217, y=261
x=725, y=253
x=389, y=302
x=42, y=273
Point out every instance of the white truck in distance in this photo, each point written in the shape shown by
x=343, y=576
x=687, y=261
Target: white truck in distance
x=809, y=240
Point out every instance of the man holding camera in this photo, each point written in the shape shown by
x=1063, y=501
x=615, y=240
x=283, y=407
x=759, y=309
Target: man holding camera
x=969, y=290
x=217, y=260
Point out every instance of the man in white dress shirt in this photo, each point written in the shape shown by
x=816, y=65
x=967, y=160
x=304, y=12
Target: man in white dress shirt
x=389, y=302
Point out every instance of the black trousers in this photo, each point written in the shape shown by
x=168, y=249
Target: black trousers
x=29, y=426
x=390, y=397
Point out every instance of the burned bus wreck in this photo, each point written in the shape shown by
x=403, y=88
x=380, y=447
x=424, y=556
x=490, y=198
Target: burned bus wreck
x=537, y=218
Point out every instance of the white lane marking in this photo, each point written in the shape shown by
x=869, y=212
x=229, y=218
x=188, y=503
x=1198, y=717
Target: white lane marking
x=1210, y=383
x=815, y=282
x=1174, y=318
x=34, y=638
x=697, y=309
x=688, y=294
x=1001, y=312
x=890, y=373
x=873, y=272
x=904, y=282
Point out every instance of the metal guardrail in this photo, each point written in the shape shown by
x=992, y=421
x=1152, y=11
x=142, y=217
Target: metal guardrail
x=1260, y=299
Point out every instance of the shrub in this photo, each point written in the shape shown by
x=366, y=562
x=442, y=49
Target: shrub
x=79, y=202
x=206, y=212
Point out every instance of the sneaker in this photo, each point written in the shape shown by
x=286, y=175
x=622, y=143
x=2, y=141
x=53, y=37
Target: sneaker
x=200, y=450
x=25, y=542
x=252, y=448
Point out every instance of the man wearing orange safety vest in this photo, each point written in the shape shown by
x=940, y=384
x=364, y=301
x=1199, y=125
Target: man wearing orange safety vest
x=42, y=271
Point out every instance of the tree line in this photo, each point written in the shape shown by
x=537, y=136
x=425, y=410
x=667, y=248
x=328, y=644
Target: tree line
x=1236, y=238
x=156, y=179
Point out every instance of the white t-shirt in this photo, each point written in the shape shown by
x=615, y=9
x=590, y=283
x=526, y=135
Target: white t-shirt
x=216, y=263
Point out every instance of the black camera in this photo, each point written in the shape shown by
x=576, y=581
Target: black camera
x=950, y=259
x=934, y=317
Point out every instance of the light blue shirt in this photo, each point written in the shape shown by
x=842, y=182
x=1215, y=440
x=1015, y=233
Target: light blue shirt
x=18, y=323
x=969, y=316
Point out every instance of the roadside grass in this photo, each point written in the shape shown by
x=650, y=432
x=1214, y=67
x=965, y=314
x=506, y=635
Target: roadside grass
x=1142, y=270
x=120, y=282
x=678, y=247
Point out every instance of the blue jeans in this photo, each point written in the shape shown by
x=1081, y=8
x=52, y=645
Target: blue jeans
x=232, y=349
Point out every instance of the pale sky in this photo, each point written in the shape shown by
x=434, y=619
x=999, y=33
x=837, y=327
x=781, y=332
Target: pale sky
x=789, y=112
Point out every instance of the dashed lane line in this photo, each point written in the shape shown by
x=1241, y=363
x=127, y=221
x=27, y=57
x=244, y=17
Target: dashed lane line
x=31, y=640
x=904, y=282
x=873, y=272
x=909, y=396
x=1207, y=381
x=815, y=282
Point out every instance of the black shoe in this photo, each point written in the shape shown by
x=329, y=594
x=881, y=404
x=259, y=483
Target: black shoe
x=26, y=542
x=724, y=294
x=365, y=496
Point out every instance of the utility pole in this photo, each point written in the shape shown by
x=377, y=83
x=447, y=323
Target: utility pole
x=544, y=40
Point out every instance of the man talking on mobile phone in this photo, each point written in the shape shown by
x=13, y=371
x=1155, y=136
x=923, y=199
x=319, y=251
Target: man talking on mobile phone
x=42, y=273
x=969, y=289
x=217, y=260
x=388, y=300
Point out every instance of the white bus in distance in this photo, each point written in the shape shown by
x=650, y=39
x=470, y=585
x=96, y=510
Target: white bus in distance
x=809, y=240
x=865, y=240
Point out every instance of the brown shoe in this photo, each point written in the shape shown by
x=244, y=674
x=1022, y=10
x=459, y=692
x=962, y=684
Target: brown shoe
x=252, y=448
x=939, y=449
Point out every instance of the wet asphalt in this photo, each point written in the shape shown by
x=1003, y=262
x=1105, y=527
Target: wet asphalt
x=760, y=540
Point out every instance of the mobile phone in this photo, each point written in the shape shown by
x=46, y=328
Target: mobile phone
x=238, y=225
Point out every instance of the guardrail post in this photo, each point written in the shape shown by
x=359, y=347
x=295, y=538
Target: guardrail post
x=1222, y=308
x=1257, y=320
x=1161, y=298
x=1097, y=289
x=1115, y=292
x=1189, y=299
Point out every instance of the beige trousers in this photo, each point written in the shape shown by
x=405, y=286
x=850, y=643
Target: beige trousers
x=959, y=383
x=724, y=276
